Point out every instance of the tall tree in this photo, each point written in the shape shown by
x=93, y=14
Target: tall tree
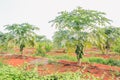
x=79, y=21
x=23, y=33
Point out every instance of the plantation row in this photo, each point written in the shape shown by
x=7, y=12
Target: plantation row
x=21, y=36
x=77, y=30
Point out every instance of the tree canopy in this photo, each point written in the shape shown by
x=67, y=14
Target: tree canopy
x=23, y=33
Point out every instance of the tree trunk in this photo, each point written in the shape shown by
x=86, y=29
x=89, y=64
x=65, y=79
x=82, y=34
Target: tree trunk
x=79, y=62
x=21, y=50
x=107, y=51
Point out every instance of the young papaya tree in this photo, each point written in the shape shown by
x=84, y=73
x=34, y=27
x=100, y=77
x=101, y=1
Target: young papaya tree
x=23, y=34
x=79, y=21
x=43, y=45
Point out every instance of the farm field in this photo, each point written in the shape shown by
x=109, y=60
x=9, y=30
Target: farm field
x=59, y=62
x=62, y=43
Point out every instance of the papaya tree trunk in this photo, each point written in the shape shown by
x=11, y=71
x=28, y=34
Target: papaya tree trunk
x=79, y=62
x=107, y=50
x=21, y=48
x=79, y=53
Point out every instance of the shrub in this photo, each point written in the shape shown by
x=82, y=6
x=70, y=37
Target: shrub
x=40, y=50
x=48, y=47
x=113, y=62
x=11, y=73
x=116, y=46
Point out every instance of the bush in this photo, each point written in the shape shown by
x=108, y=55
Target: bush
x=11, y=73
x=116, y=46
x=113, y=62
x=40, y=50
x=48, y=47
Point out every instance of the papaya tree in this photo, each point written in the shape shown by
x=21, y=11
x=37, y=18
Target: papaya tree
x=110, y=37
x=116, y=43
x=23, y=34
x=79, y=21
x=104, y=38
x=6, y=41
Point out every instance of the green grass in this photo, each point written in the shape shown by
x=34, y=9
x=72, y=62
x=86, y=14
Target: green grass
x=62, y=57
x=110, y=61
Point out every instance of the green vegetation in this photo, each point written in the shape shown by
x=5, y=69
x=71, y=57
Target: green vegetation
x=70, y=76
x=42, y=45
x=116, y=46
x=62, y=57
x=77, y=29
x=22, y=34
x=6, y=42
x=110, y=61
x=39, y=50
x=12, y=73
x=104, y=38
x=75, y=24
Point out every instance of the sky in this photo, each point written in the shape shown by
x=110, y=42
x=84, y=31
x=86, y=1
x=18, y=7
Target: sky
x=40, y=12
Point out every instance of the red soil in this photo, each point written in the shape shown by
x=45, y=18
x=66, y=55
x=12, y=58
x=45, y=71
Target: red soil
x=16, y=60
x=97, y=70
